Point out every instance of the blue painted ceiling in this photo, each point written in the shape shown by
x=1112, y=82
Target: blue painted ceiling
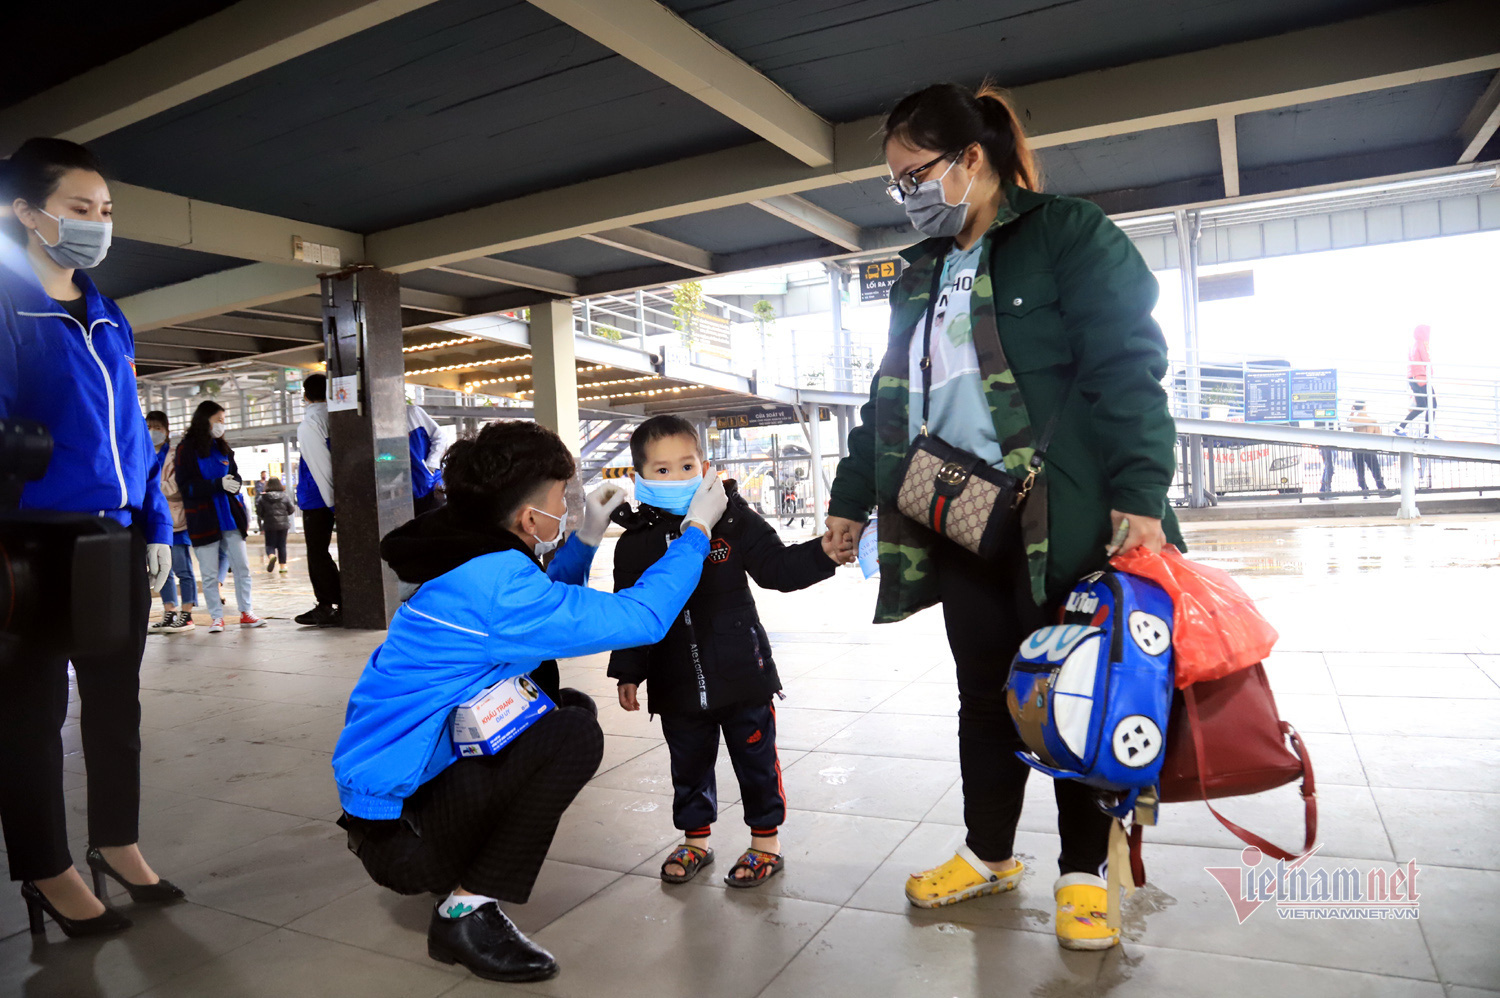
x=458, y=104
x=133, y=266
x=850, y=58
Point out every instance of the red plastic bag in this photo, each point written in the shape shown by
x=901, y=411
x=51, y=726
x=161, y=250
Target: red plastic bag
x=1216, y=629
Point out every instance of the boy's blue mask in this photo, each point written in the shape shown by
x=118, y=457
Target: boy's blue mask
x=674, y=497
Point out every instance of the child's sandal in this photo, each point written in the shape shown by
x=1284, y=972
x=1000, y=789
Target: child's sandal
x=761, y=866
x=690, y=858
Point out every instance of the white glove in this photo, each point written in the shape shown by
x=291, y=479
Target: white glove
x=230, y=484
x=708, y=505
x=158, y=564
x=596, y=511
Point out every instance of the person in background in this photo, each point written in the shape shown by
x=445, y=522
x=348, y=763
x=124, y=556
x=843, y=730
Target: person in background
x=175, y=616
x=274, y=509
x=67, y=362
x=315, y=499
x=427, y=448
x=1419, y=376
x=1361, y=421
x=210, y=482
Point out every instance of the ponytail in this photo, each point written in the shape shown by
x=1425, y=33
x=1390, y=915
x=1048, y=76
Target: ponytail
x=949, y=118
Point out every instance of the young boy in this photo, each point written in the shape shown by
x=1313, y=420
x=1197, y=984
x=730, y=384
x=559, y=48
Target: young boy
x=713, y=671
x=420, y=817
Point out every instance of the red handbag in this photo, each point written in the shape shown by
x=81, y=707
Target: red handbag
x=1226, y=739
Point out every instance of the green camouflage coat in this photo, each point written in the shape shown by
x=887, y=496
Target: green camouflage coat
x=1061, y=290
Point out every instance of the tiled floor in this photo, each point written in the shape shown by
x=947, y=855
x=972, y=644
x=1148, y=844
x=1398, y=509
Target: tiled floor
x=1389, y=663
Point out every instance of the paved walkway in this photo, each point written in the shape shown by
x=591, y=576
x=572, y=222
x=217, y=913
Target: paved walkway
x=1389, y=664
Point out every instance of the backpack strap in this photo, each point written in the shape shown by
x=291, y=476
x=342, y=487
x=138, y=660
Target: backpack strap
x=1309, y=792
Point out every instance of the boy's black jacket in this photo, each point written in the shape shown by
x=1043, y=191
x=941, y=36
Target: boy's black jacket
x=719, y=623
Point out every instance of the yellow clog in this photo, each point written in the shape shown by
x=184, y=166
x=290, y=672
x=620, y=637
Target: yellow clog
x=962, y=877
x=1081, y=900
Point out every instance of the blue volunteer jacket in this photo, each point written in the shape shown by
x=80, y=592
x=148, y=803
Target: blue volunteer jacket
x=493, y=617
x=426, y=452
x=79, y=381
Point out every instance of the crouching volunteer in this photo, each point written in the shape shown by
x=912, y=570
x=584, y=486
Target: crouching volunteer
x=476, y=828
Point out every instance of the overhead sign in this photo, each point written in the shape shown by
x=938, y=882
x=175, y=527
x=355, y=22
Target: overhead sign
x=781, y=415
x=1315, y=394
x=1266, y=397
x=1289, y=396
x=876, y=278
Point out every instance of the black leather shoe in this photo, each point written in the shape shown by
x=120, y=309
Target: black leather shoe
x=158, y=893
x=37, y=903
x=490, y=945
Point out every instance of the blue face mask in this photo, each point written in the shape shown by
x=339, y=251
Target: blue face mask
x=674, y=497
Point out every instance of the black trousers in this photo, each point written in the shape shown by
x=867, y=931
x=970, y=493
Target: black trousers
x=1424, y=403
x=750, y=735
x=988, y=612
x=275, y=543
x=33, y=709
x=1366, y=459
x=486, y=822
x=317, y=530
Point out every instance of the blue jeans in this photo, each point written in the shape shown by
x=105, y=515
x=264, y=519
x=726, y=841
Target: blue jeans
x=181, y=575
x=233, y=546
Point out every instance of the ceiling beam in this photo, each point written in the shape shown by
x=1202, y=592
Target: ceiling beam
x=221, y=49
x=214, y=294
x=809, y=217
x=1481, y=122
x=172, y=220
x=1393, y=49
x=431, y=301
x=1229, y=155
x=517, y=274
x=255, y=328
x=654, y=246
x=1396, y=48
x=196, y=339
x=658, y=40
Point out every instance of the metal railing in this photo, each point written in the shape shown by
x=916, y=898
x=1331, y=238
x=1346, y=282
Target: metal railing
x=1225, y=461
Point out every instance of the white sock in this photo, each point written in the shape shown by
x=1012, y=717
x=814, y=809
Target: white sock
x=459, y=905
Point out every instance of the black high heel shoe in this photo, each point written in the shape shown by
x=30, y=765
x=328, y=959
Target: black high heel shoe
x=36, y=903
x=158, y=893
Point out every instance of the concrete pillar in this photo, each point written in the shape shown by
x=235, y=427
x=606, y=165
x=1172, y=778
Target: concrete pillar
x=815, y=447
x=371, y=463
x=841, y=372
x=1408, y=509
x=1187, y=225
x=554, y=373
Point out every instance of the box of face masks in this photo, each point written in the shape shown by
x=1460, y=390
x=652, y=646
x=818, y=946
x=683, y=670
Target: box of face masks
x=485, y=724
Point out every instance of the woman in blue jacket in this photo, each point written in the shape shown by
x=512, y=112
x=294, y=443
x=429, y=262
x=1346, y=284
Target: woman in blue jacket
x=210, y=483
x=420, y=817
x=67, y=361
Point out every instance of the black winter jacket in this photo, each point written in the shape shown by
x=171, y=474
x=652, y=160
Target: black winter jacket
x=717, y=653
x=274, y=510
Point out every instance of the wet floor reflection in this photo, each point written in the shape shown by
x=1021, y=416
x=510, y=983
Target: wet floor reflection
x=1329, y=548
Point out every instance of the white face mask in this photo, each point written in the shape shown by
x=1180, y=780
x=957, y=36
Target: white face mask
x=158, y=437
x=929, y=211
x=544, y=548
x=81, y=242
x=217, y=429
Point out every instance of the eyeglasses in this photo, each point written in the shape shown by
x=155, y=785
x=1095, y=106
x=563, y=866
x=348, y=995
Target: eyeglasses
x=902, y=187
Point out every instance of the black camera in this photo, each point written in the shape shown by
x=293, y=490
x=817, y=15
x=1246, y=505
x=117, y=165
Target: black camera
x=64, y=577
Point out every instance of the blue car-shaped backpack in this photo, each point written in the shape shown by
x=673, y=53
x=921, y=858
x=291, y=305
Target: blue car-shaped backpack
x=1091, y=696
